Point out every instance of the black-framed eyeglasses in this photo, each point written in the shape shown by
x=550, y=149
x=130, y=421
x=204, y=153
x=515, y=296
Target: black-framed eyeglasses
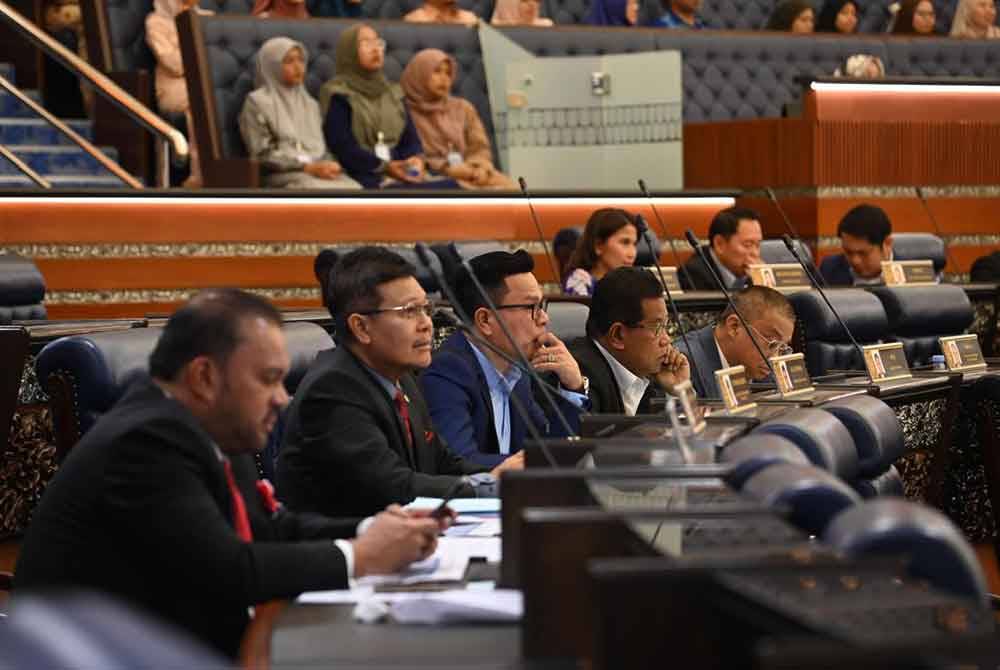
x=657, y=328
x=536, y=308
x=776, y=347
x=409, y=311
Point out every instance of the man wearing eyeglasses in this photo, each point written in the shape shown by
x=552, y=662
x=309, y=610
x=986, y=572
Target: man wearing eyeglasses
x=359, y=436
x=469, y=386
x=627, y=354
x=727, y=343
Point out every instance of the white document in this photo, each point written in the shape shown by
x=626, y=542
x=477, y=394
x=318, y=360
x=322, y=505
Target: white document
x=500, y=605
x=460, y=505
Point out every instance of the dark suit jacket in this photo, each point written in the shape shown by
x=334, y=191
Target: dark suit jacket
x=704, y=360
x=605, y=394
x=836, y=271
x=459, y=400
x=344, y=449
x=141, y=510
x=701, y=278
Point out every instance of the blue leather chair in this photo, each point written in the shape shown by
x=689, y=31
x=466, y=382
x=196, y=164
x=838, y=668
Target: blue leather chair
x=919, y=315
x=820, y=335
x=820, y=436
x=919, y=247
x=752, y=453
x=568, y=320
x=22, y=289
x=875, y=430
x=811, y=496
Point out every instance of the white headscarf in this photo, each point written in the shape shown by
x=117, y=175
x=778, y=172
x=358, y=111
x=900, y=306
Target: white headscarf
x=961, y=25
x=290, y=111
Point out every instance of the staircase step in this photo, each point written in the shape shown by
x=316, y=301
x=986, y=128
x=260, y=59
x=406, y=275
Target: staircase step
x=7, y=71
x=11, y=106
x=70, y=181
x=14, y=130
x=57, y=160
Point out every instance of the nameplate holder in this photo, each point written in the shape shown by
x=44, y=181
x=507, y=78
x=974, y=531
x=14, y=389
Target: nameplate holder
x=908, y=273
x=791, y=375
x=962, y=353
x=780, y=276
x=689, y=404
x=886, y=362
x=735, y=389
x=669, y=276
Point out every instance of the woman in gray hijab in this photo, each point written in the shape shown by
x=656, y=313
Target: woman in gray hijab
x=281, y=125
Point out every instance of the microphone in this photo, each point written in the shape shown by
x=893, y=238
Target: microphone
x=937, y=228
x=640, y=224
x=538, y=227
x=861, y=352
x=465, y=324
x=693, y=241
x=666, y=233
x=814, y=279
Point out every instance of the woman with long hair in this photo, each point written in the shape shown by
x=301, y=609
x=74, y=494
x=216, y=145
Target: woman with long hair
x=608, y=242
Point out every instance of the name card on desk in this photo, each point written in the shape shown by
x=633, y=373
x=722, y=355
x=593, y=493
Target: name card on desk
x=962, y=353
x=689, y=403
x=886, y=362
x=908, y=273
x=669, y=276
x=792, y=375
x=781, y=276
x=735, y=388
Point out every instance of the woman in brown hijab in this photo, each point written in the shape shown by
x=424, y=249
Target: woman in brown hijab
x=454, y=140
x=280, y=9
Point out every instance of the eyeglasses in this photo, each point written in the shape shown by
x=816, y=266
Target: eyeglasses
x=776, y=347
x=378, y=44
x=409, y=311
x=536, y=308
x=656, y=327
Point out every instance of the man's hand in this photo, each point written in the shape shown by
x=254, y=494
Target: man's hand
x=675, y=369
x=323, y=169
x=553, y=356
x=515, y=462
x=394, y=540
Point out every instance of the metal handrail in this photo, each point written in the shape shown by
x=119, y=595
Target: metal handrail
x=80, y=141
x=24, y=167
x=104, y=86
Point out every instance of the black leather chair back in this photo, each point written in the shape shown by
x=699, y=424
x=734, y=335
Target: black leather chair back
x=919, y=247
x=22, y=289
x=466, y=250
x=821, y=437
x=822, y=338
x=919, y=315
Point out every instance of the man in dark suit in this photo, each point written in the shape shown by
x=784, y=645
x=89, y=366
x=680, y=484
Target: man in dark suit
x=727, y=343
x=358, y=435
x=155, y=505
x=865, y=234
x=627, y=355
x=733, y=246
x=469, y=386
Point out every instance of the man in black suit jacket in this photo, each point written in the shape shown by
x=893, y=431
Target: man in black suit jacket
x=349, y=446
x=733, y=246
x=865, y=234
x=627, y=355
x=158, y=503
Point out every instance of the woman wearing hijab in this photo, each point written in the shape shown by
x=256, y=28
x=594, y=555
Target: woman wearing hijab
x=838, y=16
x=366, y=124
x=171, y=90
x=975, y=19
x=792, y=16
x=613, y=13
x=519, y=13
x=450, y=130
x=280, y=9
x=281, y=125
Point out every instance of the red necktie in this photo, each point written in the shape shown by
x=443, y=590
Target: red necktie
x=404, y=414
x=240, y=518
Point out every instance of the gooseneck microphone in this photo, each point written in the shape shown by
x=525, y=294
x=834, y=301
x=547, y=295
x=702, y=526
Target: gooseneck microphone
x=861, y=352
x=937, y=228
x=525, y=363
x=693, y=241
x=640, y=224
x=538, y=228
x=666, y=232
x=813, y=278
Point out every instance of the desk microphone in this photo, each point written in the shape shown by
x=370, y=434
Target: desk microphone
x=640, y=224
x=466, y=326
x=666, y=232
x=937, y=228
x=791, y=248
x=538, y=228
x=693, y=241
x=814, y=279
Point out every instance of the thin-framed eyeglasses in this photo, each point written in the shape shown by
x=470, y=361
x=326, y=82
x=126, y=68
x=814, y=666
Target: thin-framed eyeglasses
x=537, y=308
x=776, y=347
x=657, y=328
x=408, y=311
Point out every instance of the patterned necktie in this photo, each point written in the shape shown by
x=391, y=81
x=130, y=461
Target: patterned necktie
x=403, y=409
x=240, y=518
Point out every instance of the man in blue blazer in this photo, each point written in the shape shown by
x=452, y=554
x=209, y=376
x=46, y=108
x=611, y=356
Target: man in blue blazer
x=468, y=387
x=727, y=343
x=865, y=234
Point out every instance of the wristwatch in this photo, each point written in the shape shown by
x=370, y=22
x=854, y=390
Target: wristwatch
x=585, y=388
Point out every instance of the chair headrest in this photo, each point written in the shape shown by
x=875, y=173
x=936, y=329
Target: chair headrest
x=568, y=320
x=861, y=311
x=875, y=429
x=926, y=310
x=889, y=483
x=821, y=437
x=305, y=340
x=642, y=256
x=775, y=251
x=919, y=247
x=752, y=453
x=814, y=497
x=20, y=281
x=937, y=549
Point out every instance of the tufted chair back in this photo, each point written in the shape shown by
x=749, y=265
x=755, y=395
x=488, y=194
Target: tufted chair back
x=919, y=315
x=826, y=345
x=943, y=57
x=22, y=289
x=397, y=9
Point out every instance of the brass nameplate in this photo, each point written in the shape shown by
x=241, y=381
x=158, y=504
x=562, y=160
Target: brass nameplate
x=962, y=353
x=735, y=388
x=791, y=375
x=781, y=276
x=908, y=273
x=886, y=362
x=669, y=276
